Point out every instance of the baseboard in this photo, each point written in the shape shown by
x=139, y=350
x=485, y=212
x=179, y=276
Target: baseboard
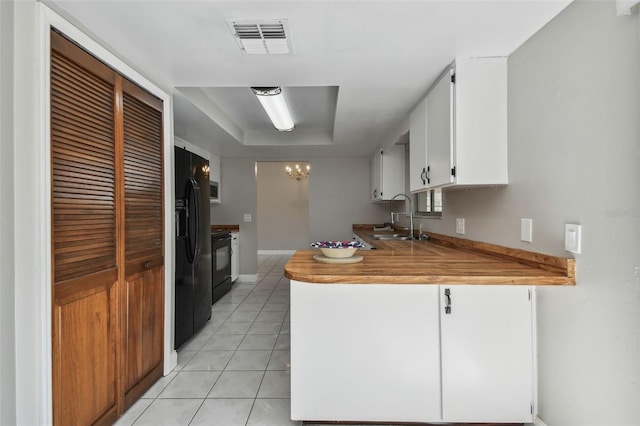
x=275, y=252
x=247, y=278
x=539, y=422
x=171, y=363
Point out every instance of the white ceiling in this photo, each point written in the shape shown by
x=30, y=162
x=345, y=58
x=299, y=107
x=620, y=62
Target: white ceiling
x=357, y=68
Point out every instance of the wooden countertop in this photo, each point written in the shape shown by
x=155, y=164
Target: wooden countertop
x=230, y=228
x=441, y=259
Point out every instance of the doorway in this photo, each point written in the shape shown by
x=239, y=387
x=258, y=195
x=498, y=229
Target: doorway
x=282, y=208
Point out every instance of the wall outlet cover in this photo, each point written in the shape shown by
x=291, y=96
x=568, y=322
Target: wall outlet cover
x=460, y=225
x=573, y=238
x=246, y=217
x=526, y=230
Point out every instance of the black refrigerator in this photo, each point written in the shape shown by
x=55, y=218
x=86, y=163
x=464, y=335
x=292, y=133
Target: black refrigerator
x=193, y=245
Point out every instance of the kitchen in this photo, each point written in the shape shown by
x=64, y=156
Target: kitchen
x=573, y=109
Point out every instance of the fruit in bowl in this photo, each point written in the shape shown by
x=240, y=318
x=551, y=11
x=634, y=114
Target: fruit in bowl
x=338, y=249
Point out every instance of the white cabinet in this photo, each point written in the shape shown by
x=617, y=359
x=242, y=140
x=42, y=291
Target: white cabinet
x=364, y=352
x=391, y=353
x=387, y=173
x=235, y=256
x=458, y=133
x=487, y=353
x=418, y=148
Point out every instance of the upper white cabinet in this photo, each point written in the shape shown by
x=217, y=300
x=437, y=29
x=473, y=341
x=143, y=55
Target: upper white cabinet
x=418, y=148
x=387, y=173
x=458, y=133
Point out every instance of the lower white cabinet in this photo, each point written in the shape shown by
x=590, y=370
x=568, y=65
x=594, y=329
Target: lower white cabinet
x=391, y=353
x=487, y=353
x=235, y=256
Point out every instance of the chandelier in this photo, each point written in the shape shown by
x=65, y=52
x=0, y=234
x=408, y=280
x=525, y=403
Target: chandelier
x=297, y=173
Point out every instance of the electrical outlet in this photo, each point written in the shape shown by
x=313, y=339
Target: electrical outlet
x=572, y=238
x=526, y=230
x=460, y=225
x=247, y=217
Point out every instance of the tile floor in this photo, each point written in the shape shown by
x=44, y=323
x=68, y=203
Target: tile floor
x=235, y=370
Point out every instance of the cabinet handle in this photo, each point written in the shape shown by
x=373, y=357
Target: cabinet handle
x=447, y=294
x=147, y=264
x=423, y=176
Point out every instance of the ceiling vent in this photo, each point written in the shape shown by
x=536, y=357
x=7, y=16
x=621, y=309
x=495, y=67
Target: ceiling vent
x=261, y=37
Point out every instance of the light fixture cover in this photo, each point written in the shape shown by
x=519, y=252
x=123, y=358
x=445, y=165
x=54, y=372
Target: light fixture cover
x=275, y=106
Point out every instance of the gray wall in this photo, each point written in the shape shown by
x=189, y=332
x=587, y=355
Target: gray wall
x=338, y=197
x=339, y=191
x=238, y=196
x=7, y=281
x=574, y=132
x=283, y=208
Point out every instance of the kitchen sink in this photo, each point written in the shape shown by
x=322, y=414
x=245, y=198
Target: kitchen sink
x=383, y=237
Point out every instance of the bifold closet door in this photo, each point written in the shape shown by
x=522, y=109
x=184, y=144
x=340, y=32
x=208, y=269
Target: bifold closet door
x=143, y=300
x=84, y=237
x=107, y=238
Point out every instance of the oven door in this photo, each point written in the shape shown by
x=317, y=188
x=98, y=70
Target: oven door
x=220, y=266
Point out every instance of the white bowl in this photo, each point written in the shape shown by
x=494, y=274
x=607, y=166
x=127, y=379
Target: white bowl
x=338, y=253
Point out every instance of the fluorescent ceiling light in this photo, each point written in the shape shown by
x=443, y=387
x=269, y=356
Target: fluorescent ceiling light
x=274, y=104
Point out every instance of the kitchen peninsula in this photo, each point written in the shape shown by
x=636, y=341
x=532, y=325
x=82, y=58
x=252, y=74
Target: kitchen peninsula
x=420, y=331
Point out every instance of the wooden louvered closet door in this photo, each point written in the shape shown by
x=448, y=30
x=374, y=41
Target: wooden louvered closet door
x=143, y=226
x=107, y=240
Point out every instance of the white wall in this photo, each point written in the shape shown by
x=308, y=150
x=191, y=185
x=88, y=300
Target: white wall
x=574, y=156
x=7, y=281
x=282, y=209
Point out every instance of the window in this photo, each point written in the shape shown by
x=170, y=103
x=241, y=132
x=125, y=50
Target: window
x=429, y=203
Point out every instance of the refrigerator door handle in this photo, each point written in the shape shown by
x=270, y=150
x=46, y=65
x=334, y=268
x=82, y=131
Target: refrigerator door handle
x=196, y=204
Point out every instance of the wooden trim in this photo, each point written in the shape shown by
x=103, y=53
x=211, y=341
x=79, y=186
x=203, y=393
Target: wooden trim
x=142, y=95
x=230, y=228
x=142, y=386
x=67, y=291
x=143, y=265
x=536, y=260
x=120, y=234
x=73, y=51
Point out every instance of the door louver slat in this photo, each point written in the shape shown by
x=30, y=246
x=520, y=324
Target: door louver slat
x=82, y=142
x=142, y=179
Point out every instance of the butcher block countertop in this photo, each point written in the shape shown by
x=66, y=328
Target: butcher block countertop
x=230, y=228
x=440, y=260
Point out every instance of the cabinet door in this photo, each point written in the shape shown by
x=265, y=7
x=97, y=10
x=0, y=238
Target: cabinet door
x=418, y=148
x=376, y=176
x=440, y=131
x=487, y=353
x=143, y=243
x=365, y=352
x=392, y=171
x=235, y=256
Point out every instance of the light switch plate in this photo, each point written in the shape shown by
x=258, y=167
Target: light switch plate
x=526, y=230
x=247, y=217
x=573, y=237
x=460, y=225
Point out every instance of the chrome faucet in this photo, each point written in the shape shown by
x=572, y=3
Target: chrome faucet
x=409, y=213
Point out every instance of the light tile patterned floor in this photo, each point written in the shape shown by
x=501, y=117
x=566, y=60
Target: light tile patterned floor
x=236, y=369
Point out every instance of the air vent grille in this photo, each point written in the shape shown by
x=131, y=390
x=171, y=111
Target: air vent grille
x=261, y=38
